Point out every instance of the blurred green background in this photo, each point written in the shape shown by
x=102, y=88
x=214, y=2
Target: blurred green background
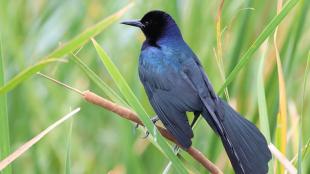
x=101, y=142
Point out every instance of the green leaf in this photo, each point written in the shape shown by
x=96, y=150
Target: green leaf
x=295, y=37
x=68, y=153
x=257, y=43
x=100, y=83
x=25, y=74
x=137, y=106
x=262, y=105
x=26, y=146
x=4, y=120
x=305, y=150
x=66, y=48
x=299, y=160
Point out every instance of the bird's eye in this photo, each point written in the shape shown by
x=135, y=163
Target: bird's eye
x=147, y=23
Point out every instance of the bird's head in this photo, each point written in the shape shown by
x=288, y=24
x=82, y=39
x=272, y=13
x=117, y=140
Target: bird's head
x=155, y=25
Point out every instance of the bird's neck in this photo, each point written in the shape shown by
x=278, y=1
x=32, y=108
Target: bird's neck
x=170, y=35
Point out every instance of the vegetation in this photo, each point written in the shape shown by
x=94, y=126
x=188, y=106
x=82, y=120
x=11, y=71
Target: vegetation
x=256, y=54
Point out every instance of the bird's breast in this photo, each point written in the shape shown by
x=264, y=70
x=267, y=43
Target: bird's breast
x=162, y=74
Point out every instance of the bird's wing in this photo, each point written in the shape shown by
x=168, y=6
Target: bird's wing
x=174, y=120
x=194, y=74
x=160, y=92
x=215, y=112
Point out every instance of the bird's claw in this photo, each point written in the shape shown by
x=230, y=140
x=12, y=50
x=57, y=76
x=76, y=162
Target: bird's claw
x=147, y=133
x=176, y=149
x=137, y=126
x=154, y=120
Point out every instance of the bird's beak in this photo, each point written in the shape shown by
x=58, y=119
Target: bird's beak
x=135, y=23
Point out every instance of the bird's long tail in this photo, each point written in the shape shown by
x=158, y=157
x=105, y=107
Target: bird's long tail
x=245, y=145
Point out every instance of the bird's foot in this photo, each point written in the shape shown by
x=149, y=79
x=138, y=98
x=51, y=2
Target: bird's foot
x=154, y=120
x=147, y=133
x=176, y=149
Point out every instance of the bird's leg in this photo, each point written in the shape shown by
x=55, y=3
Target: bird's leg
x=154, y=120
x=196, y=116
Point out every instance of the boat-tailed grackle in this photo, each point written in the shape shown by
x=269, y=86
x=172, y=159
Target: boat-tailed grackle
x=175, y=83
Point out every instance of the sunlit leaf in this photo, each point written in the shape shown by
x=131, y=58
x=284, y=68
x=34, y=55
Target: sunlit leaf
x=257, y=43
x=99, y=82
x=25, y=147
x=281, y=130
x=262, y=106
x=66, y=48
x=25, y=74
x=300, y=153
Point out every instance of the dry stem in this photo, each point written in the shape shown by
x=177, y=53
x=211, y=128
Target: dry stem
x=132, y=116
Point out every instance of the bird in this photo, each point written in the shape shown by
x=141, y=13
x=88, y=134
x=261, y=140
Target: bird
x=175, y=83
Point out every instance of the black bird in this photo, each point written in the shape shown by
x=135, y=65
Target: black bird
x=176, y=83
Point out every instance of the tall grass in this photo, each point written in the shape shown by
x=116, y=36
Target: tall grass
x=65, y=49
x=36, y=35
x=68, y=155
x=300, y=132
x=260, y=39
x=261, y=100
x=4, y=120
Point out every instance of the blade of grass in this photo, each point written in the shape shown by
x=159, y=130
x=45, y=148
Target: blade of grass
x=219, y=54
x=299, y=161
x=241, y=33
x=287, y=53
x=137, y=106
x=277, y=143
x=292, y=126
x=100, y=83
x=294, y=38
x=4, y=120
x=22, y=149
x=25, y=74
x=68, y=153
x=282, y=159
x=281, y=130
x=304, y=153
x=262, y=106
x=260, y=39
x=306, y=149
x=66, y=48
